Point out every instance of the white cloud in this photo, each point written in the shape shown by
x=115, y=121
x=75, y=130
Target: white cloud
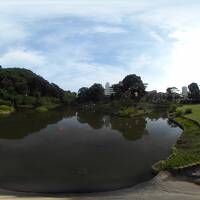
x=184, y=67
x=74, y=61
x=11, y=33
x=141, y=61
x=108, y=29
x=156, y=36
x=22, y=58
x=85, y=74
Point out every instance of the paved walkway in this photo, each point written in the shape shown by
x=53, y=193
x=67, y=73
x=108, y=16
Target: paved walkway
x=162, y=187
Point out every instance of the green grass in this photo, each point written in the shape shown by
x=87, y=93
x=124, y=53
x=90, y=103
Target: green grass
x=195, y=115
x=187, y=149
x=4, y=109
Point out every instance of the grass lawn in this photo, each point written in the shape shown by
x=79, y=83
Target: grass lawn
x=187, y=149
x=195, y=115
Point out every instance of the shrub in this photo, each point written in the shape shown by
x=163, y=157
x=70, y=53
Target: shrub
x=172, y=108
x=127, y=112
x=41, y=109
x=179, y=113
x=48, y=102
x=4, y=102
x=188, y=111
x=4, y=109
x=29, y=100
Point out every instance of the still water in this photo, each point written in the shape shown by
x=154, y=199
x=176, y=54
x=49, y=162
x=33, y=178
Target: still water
x=70, y=151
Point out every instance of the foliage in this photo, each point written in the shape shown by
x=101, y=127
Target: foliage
x=172, y=108
x=195, y=115
x=69, y=97
x=187, y=149
x=155, y=97
x=128, y=112
x=194, y=92
x=172, y=94
x=23, y=87
x=4, y=109
x=188, y=111
x=93, y=94
x=41, y=109
x=4, y=102
x=134, y=83
x=179, y=113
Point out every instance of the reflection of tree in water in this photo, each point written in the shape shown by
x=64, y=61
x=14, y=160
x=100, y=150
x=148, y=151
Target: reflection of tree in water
x=21, y=124
x=131, y=128
x=172, y=123
x=157, y=114
x=94, y=119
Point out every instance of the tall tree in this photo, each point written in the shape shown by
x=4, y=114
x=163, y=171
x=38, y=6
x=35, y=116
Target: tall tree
x=96, y=92
x=135, y=84
x=172, y=93
x=194, y=91
x=83, y=94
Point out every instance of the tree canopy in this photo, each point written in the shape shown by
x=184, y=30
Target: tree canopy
x=21, y=86
x=94, y=94
x=194, y=91
x=132, y=85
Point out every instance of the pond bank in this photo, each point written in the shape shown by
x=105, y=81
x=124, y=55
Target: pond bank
x=164, y=186
x=186, y=153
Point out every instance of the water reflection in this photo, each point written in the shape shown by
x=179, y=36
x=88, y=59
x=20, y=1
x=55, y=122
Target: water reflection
x=131, y=129
x=21, y=124
x=94, y=119
x=70, y=151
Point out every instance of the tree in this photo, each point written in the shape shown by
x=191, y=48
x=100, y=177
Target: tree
x=83, y=94
x=96, y=92
x=17, y=84
x=69, y=97
x=172, y=93
x=135, y=85
x=194, y=91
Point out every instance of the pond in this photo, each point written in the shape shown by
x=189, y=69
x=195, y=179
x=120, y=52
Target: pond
x=69, y=151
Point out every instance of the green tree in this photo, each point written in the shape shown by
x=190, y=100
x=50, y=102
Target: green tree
x=96, y=92
x=83, y=95
x=135, y=84
x=194, y=91
x=172, y=94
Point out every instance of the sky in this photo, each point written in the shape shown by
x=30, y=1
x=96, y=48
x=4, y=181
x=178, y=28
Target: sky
x=76, y=43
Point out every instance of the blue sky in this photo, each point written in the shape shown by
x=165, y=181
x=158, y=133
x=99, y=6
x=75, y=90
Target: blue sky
x=76, y=43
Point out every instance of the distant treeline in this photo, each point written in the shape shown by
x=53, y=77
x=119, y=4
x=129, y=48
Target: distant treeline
x=22, y=87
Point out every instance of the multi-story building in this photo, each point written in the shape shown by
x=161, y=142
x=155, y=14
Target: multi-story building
x=184, y=92
x=108, y=90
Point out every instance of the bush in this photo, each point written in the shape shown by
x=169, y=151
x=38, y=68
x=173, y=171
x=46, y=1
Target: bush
x=4, y=109
x=29, y=100
x=48, y=102
x=41, y=109
x=172, y=108
x=179, y=112
x=188, y=111
x=127, y=112
x=4, y=102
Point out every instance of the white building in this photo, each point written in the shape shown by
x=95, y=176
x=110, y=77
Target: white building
x=108, y=90
x=184, y=92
